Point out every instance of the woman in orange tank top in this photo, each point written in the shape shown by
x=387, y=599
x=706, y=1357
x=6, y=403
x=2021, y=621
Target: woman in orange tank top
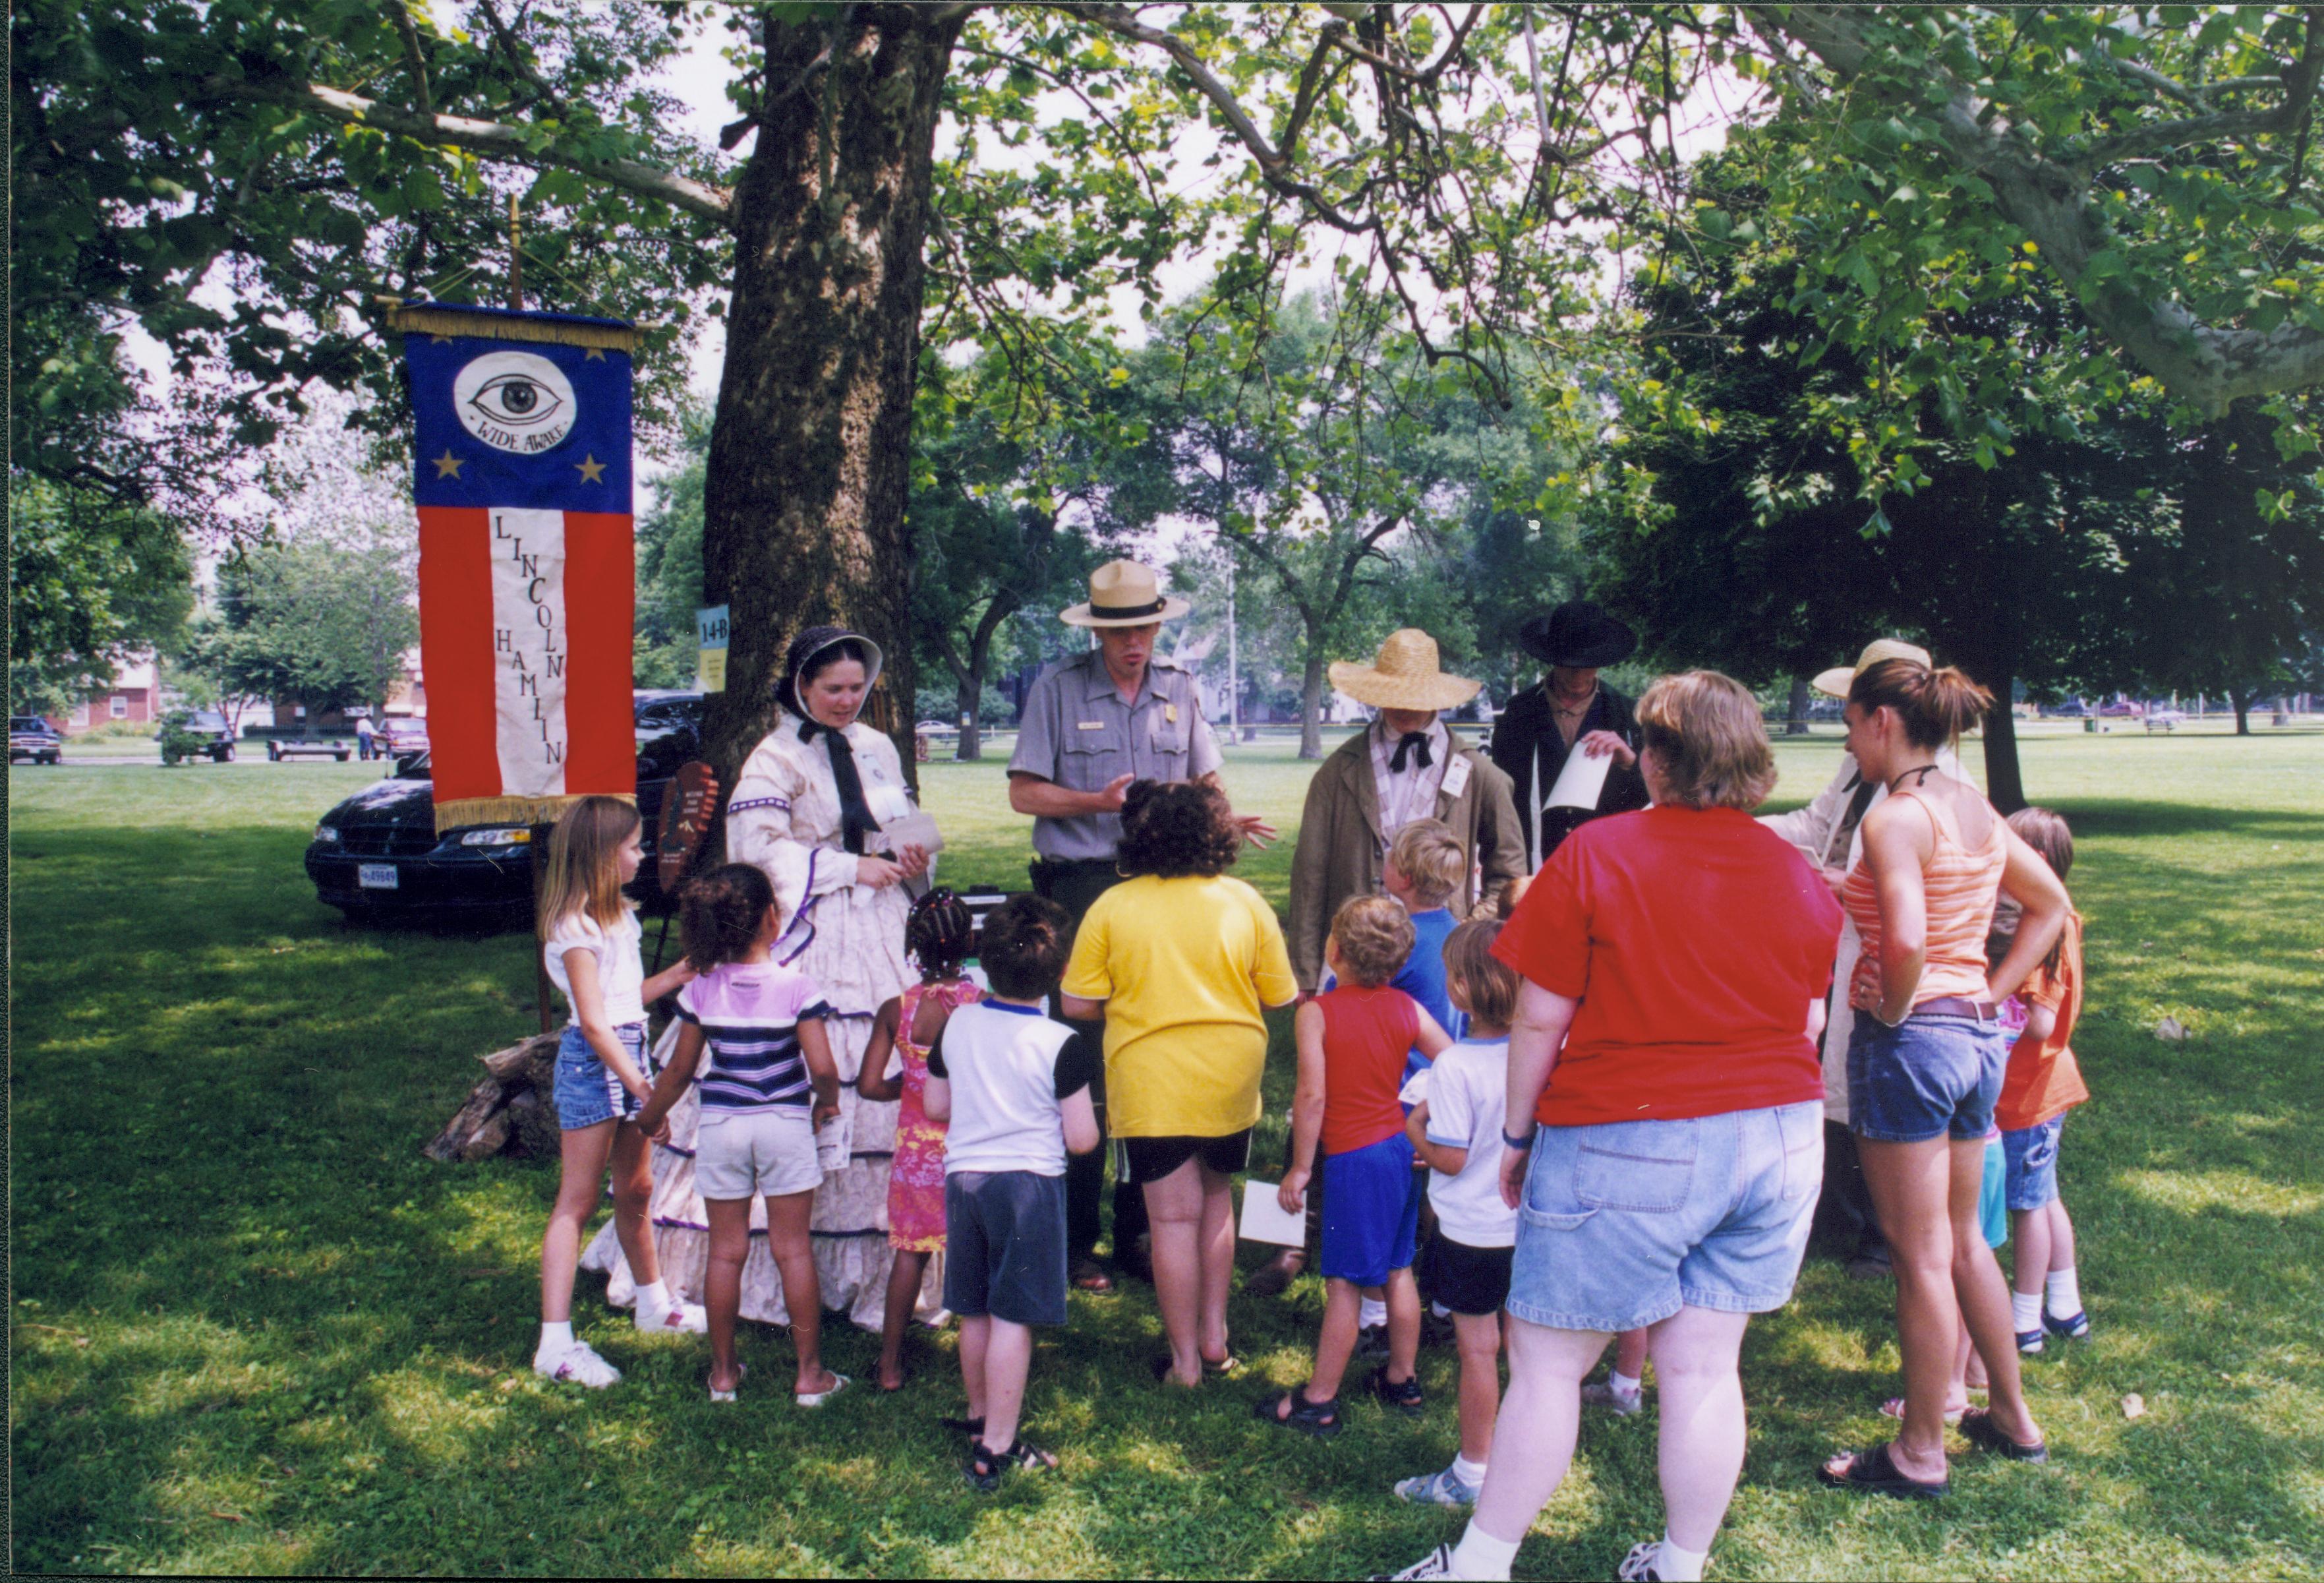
x=1927, y=1054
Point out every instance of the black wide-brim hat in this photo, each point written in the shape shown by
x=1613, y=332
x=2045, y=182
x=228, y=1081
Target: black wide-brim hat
x=1577, y=635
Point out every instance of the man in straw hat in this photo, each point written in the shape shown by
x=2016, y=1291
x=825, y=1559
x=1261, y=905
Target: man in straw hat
x=1827, y=833
x=1570, y=709
x=1405, y=765
x=1093, y=725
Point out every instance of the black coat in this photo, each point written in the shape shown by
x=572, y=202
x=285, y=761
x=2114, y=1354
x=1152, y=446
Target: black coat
x=1527, y=725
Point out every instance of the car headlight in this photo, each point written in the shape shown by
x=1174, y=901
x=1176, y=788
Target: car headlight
x=497, y=835
x=328, y=834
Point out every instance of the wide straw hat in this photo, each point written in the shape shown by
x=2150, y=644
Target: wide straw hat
x=1834, y=682
x=1123, y=593
x=1404, y=675
x=1577, y=637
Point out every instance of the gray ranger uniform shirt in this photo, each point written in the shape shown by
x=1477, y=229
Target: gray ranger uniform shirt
x=1078, y=734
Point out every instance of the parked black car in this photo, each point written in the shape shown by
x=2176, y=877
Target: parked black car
x=196, y=734
x=32, y=737
x=377, y=855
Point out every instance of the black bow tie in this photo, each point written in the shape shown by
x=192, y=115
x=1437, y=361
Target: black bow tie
x=1404, y=745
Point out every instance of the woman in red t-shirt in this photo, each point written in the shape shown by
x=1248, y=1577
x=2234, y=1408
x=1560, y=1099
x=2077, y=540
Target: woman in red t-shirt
x=1681, y=957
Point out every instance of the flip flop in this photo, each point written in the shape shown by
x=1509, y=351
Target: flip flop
x=817, y=1398
x=1213, y=1368
x=1978, y=1426
x=1874, y=1472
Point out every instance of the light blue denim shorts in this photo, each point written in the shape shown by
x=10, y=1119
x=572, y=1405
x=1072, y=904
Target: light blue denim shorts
x=2031, y=1156
x=1626, y=1222
x=587, y=1091
x=1927, y=1077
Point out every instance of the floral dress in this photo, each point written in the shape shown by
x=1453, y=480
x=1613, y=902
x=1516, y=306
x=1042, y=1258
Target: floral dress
x=783, y=819
x=916, y=1176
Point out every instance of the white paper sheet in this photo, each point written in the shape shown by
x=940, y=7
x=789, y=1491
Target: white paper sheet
x=1580, y=781
x=834, y=1144
x=1263, y=1219
x=916, y=829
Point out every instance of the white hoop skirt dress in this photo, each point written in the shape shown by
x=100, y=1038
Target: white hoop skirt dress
x=784, y=818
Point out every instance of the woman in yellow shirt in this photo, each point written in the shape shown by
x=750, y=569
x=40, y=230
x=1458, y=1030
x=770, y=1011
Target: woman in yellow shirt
x=1179, y=959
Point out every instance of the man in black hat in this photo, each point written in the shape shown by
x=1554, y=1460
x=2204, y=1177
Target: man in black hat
x=1569, y=709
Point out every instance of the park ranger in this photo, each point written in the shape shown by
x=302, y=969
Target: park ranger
x=1092, y=724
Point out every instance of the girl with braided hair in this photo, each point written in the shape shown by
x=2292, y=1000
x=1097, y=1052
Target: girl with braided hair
x=938, y=935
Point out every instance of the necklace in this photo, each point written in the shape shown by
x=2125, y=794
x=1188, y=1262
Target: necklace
x=1925, y=771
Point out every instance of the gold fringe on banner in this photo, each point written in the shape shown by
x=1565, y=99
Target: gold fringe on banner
x=463, y=811
x=438, y=318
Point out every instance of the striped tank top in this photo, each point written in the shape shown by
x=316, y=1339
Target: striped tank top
x=1959, y=886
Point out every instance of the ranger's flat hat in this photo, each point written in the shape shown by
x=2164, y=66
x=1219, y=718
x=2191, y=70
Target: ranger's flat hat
x=1404, y=675
x=1123, y=593
x=1834, y=682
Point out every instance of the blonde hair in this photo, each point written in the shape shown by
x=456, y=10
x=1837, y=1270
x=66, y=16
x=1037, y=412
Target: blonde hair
x=1703, y=729
x=1374, y=936
x=1487, y=983
x=1429, y=856
x=582, y=874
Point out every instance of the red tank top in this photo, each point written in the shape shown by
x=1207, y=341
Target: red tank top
x=1366, y=1033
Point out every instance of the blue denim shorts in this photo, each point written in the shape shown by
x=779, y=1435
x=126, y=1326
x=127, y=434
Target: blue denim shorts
x=1372, y=1211
x=1928, y=1076
x=2031, y=1155
x=1626, y=1222
x=587, y=1091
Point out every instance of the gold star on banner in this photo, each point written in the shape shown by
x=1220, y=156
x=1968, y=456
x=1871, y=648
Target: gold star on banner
x=591, y=469
x=448, y=466
x=594, y=354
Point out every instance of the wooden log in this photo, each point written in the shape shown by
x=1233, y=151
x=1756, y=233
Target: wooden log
x=483, y=1101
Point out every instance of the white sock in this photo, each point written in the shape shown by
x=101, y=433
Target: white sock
x=1471, y=1474
x=1624, y=1385
x=1374, y=1312
x=2024, y=1310
x=2065, y=1293
x=1481, y=1556
x=1440, y=1311
x=1673, y=1565
x=654, y=1298
x=556, y=1338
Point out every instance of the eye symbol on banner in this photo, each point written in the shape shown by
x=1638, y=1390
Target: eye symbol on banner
x=516, y=401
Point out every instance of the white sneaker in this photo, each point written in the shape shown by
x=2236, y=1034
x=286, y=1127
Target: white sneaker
x=1598, y=1393
x=580, y=1365
x=1442, y=1489
x=1638, y=1566
x=1436, y=1563
x=680, y=1318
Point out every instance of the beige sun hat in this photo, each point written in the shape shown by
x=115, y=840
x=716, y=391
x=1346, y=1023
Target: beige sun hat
x=1123, y=593
x=1404, y=675
x=1834, y=682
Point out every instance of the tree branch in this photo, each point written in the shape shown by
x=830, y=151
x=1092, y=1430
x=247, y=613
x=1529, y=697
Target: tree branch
x=2050, y=200
x=401, y=14
x=492, y=139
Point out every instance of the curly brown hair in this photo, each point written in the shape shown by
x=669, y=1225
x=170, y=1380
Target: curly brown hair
x=1374, y=937
x=1173, y=828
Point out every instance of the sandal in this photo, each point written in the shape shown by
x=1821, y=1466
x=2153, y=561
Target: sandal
x=985, y=1465
x=1089, y=1276
x=728, y=1395
x=1213, y=1368
x=1895, y=1408
x=1404, y=1395
x=1320, y=1418
x=1978, y=1426
x=1874, y=1472
x=971, y=1427
x=817, y=1398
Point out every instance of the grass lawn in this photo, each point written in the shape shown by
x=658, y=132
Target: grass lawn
x=253, y=1331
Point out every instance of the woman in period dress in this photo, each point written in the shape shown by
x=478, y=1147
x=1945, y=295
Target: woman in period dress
x=809, y=810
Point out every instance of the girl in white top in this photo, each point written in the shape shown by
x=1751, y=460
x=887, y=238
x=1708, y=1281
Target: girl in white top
x=590, y=941
x=1457, y=1129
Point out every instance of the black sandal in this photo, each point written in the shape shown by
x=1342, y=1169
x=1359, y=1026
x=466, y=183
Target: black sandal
x=1320, y=1418
x=971, y=1427
x=985, y=1465
x=1404, y=1395
x=1984, y=1434
x=1874, y=1472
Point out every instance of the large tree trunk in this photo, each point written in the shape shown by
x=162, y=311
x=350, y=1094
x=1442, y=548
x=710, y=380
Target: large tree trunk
x=2240, y=699
x=1795, y=720
x=1311, y=701
x=972, y=735
x=803, y=509
x=2005, y=784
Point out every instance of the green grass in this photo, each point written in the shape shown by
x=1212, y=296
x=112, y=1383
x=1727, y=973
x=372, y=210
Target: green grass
x=255, y=1331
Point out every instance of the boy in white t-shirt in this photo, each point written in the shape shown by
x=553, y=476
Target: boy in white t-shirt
x=1014, y=1087
x=1457, y=1128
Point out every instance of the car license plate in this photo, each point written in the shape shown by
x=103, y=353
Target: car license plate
x=376, y=876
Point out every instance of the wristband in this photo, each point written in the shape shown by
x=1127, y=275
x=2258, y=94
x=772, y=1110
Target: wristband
x=1519, y=1144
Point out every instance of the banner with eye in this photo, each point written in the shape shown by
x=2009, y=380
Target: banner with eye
x=521, y=473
